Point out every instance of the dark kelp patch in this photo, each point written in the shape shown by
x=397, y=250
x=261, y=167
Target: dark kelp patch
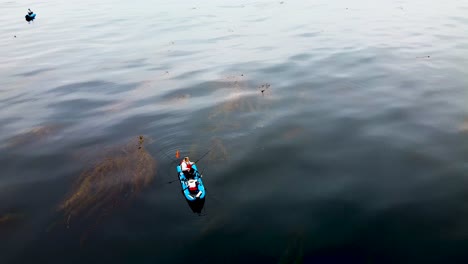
x=35, y=135
x=112, y=182
x=9, y=218
x=9, y=221
x=218, y=150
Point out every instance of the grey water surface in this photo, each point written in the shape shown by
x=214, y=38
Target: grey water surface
x=337, y=130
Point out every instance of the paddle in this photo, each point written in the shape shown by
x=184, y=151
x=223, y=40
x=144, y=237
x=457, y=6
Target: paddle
x=169, y=182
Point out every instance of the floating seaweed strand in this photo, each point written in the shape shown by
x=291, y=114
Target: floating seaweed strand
x=116, y=179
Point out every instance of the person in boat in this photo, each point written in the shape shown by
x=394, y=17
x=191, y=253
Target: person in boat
x=186, y=167
x=30, y=16
x=192, y=186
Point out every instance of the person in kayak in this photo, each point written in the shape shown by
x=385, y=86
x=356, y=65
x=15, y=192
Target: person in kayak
x=186, y=167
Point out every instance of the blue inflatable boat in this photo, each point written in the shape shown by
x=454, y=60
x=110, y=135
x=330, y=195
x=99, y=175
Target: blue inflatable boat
x=192, y=188
x=30, y=17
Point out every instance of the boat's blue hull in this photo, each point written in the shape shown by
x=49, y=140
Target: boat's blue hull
x=183, y=181
x=30, y=17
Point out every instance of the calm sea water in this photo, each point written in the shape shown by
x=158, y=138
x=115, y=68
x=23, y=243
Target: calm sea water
x=337, y=131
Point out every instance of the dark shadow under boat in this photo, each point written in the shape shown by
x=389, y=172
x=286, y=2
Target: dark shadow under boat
x=197, y=205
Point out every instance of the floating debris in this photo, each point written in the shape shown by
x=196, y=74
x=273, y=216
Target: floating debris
x=109, y=184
